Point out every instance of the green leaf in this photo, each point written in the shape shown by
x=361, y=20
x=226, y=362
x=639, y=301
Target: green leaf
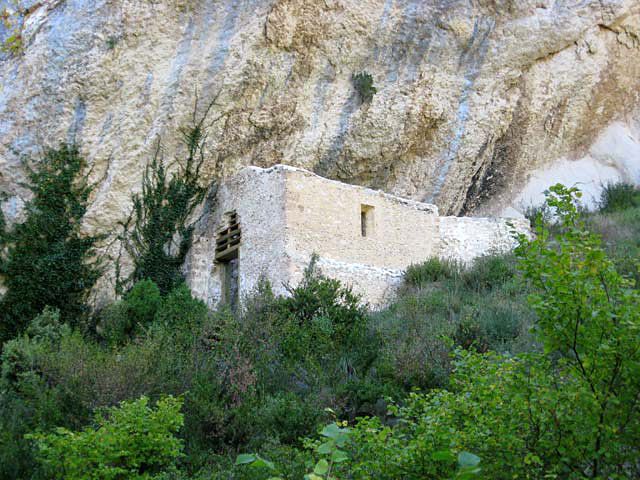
x=326, y=448
x=263, y=463
x=245, y=458
x=312, y=476
x=339, y=456
x=466, y=460
x=331, y=431
x=321, y=467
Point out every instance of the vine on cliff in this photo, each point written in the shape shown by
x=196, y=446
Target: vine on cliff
x=46, y=260
x=158, y=233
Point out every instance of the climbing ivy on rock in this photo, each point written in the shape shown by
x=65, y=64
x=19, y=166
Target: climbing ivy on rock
x=159, y=230
x=46, y=260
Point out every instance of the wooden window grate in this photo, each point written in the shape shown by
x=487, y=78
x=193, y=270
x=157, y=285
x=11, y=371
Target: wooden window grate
x=228, y=240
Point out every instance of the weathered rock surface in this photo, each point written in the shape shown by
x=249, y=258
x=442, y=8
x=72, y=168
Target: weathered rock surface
x=472, y=95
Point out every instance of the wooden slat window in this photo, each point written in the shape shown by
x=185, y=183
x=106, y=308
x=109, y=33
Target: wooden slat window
x=228, y=240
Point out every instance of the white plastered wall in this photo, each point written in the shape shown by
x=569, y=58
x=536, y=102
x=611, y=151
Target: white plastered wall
x=257, y=196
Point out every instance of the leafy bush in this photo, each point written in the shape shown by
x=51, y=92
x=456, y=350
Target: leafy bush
x=54, y=376
x=47, y=260
x=180, y=308
x=433, y=270
x=618, y=196
x=113, y=324
x=143, y=301
x=260, y=379
x=319, y=315
x=27, y=402
x=481, y=307
x=132, y=441
x=588, y=313
x=122, y=320
x=489, y=271
x=363, y=83
x=372, y=451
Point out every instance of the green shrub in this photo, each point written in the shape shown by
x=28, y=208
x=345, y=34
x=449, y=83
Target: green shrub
x=279, y=418
x=492, y=324
x=433, y=270
x=320, y=314
x=122, y=320
x=114, y=324
x=132, y=441
x=618, y=196
x=142, y=302
x=413, y=332
x=488, y=272
x=363, y=83
x=588, y=314
x=372, y=451
x=180, y=308
x=56, y=376
x=27, y=400
x=47, y=260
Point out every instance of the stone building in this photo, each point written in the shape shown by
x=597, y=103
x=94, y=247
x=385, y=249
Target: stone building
x=269, y=222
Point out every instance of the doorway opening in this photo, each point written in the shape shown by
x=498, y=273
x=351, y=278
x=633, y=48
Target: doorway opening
x=228, y=257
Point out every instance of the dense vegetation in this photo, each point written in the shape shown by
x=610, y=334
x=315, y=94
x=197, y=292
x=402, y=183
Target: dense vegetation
x=46, y=260
x=523, y=366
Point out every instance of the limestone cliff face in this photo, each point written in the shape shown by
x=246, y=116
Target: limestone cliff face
x=472, y=95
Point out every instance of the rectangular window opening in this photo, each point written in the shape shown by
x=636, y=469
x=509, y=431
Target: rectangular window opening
x=366, y=220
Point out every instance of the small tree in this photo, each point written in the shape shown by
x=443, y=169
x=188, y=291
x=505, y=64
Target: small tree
x=133, y=442
x=158, y=233
x=46, y=260
x=590, y=315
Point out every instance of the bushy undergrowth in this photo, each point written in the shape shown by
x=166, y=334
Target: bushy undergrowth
x=482, y=306
x=501, y=387
x=567, y=412
x=259, y=379
x=132, y=441
x=618, y=223
x=618, y=196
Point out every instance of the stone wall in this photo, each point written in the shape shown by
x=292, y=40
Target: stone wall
x=288, y=214
x=257, y=196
